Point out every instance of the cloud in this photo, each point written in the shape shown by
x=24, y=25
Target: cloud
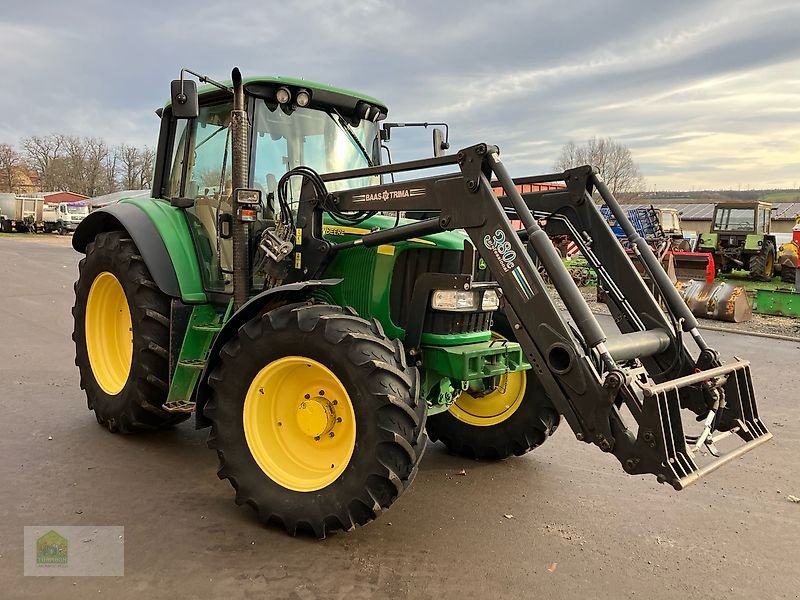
x=705, y=93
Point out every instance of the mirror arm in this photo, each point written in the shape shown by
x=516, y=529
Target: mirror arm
x=201, y=79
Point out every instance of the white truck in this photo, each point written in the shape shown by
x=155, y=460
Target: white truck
x=20, y=213
x=64, y=217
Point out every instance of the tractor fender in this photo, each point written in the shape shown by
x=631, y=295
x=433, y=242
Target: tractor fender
x=130, y=218
x=291, y=292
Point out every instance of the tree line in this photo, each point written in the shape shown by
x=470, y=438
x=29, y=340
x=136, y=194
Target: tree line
x=84, y=165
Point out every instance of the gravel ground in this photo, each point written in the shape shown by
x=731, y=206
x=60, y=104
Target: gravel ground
x=784, y=326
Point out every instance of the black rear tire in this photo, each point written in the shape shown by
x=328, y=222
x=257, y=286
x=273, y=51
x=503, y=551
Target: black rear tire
x=138, y=406
x=528, y=427
x=762, y=265
x=390, y=419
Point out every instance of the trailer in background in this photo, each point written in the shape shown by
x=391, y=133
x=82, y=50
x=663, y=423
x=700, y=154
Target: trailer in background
x=20, y=213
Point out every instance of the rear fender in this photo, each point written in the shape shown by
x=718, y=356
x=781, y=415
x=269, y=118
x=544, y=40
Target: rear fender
x=293, y=292
x=162, y=237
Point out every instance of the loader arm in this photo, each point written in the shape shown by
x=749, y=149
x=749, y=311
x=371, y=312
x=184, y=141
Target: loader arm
x=623, y=392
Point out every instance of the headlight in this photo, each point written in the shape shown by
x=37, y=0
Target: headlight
x=454, y=300
x=491, y=301
x=465, y=300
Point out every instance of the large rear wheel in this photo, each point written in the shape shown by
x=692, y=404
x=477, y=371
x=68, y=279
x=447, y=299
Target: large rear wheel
x=513, y=419
x=762, y=265
x=121, y=336
x=315, y=418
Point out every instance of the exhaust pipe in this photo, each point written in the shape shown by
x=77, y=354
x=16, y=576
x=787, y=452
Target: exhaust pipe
x=239, y=125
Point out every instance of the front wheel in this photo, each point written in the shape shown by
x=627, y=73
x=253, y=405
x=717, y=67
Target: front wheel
x=316, y=418
x=512, y=420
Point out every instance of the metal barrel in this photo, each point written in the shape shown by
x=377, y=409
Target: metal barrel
x=719, y=301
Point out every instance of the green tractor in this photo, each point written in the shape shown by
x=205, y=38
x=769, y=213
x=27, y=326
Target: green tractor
x=740, y=238
x=271, y=287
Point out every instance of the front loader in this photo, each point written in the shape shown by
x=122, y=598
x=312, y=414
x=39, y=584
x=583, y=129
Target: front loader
x=271, y=288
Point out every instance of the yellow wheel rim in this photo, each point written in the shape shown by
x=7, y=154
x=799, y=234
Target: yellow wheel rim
x=109, y=333
x=496, y=406
x=299, y=423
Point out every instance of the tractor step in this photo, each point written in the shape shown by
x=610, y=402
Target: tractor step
x=179, y=407
x=192, y=363
x=209, y=327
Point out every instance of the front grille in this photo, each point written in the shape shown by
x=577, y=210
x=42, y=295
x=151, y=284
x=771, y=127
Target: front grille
x=412, y=263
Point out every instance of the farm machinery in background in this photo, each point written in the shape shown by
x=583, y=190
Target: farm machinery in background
x=788, y=255
x=690, y=271
x=740, y=238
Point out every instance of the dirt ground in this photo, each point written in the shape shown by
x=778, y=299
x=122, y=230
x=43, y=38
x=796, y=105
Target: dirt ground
x=577, y=526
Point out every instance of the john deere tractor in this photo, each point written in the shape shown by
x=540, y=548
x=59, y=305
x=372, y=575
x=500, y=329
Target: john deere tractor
x=740, y=238
x=271, y=287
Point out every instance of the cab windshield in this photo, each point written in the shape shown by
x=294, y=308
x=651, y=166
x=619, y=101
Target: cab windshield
x=77, y=210
x=324, y=140
x=734, y=219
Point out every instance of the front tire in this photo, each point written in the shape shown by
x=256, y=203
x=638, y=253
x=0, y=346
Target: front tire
x=506, y=422
x=316, y=418
x=121, y=336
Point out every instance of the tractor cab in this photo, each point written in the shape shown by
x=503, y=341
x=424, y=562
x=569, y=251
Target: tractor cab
x=742, y=218
x=293, y=123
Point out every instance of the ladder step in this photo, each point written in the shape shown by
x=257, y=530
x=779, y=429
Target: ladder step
x=212, y=327
x=179, y=407
x=192, y=363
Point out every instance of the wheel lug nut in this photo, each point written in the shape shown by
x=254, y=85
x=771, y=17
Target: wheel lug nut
x=307, y=396
x=338, y=419
x=331, y=434
x=316, y=438
x=334, y=402
x=322, y=392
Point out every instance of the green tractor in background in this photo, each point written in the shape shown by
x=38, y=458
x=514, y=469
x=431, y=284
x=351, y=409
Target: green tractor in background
x=740, y=238
x=265, y=289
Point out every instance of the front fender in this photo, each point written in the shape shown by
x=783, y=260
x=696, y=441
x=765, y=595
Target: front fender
x=292, y=292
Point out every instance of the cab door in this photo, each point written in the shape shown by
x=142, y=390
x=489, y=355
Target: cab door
x=201, y=171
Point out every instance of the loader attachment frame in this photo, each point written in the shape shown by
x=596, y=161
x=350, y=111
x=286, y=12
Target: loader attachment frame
x=623, y=392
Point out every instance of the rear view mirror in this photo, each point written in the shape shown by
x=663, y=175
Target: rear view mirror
x=183, y=93
x=439, y=142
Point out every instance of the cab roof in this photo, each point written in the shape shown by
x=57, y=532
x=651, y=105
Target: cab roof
x=265, y=85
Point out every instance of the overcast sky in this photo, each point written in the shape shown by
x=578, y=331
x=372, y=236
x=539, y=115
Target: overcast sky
x=705, y=93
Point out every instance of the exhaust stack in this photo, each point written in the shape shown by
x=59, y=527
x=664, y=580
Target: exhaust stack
x=239, y=134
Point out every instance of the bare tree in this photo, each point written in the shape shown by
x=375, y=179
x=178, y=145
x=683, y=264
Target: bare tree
x=10, y=161
x=130, y=161
x=96, y=155
x=42, y=151
x=146, y=164
x=82, y=165
x=613, y=160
